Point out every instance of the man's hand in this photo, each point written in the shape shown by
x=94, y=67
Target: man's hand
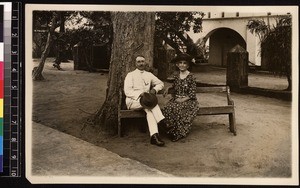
x=153, y=91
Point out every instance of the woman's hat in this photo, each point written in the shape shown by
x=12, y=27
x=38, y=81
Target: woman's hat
x=182, y=57
x=148, y=100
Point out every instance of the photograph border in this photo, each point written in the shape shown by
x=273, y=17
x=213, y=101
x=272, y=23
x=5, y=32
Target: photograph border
x=29, y=8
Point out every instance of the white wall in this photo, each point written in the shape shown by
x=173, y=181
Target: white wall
x=239, y=25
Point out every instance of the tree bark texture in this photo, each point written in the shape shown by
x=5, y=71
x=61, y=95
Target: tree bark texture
x=133, y=34
x=37, y=71
x=289, y=79
x=61, y=46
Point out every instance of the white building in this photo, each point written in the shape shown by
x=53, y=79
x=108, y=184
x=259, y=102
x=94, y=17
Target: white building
x=224, y=30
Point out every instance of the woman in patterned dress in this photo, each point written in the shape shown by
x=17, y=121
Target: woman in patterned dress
x=181, y=110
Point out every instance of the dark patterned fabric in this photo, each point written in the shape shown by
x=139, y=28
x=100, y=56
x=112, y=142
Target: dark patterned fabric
x=179, y=116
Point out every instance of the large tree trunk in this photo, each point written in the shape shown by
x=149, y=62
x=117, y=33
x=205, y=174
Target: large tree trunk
x=289, y=79
x=133, y=34
x=61, y=48
x=37, y=71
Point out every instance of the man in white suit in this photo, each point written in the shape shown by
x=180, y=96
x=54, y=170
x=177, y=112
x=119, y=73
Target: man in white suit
x=136, y=84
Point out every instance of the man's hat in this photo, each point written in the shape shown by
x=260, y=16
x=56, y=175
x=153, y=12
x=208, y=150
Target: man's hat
x=148, y=100
x=182, y=57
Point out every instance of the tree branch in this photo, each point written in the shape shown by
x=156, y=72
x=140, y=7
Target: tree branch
x=172, y=44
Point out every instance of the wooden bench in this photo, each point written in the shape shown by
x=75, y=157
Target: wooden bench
x=214, y=110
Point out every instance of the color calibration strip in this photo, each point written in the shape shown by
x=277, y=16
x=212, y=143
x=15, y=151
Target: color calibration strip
x=11, y=67
x=14, y=70
x=6, y=58
x=1, y=85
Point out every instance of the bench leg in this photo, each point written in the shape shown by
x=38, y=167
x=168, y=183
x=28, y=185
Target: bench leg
x=232, y=127
x=119, y=127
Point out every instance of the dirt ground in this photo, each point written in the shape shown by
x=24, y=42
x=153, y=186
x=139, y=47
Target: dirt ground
x=262, y=147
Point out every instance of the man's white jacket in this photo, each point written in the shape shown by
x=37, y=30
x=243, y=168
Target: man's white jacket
x=137, y=82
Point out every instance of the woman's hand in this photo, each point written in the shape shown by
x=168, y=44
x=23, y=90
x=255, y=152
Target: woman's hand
x=181, y=100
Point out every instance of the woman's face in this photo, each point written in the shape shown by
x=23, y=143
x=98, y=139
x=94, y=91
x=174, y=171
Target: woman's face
x=182, y=65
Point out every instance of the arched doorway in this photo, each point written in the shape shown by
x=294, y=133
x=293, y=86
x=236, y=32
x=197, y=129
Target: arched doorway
x=221, y=40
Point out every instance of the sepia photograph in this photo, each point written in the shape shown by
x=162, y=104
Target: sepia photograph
x=140, y=94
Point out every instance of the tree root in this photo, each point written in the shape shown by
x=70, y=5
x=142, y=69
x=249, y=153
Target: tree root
x=86, y=112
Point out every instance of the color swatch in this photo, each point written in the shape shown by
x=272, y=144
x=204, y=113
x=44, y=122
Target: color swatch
x=1, y=85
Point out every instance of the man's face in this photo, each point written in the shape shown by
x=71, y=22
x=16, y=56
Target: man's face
x=140, y=63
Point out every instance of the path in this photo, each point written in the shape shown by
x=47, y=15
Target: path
x=58, y=154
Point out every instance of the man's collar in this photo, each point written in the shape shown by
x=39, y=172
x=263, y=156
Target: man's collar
x=141, y=71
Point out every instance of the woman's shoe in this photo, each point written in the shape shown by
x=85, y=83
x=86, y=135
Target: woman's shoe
x=175, y=138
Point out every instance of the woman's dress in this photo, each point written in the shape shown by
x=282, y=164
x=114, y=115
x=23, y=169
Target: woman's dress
x=179, y=116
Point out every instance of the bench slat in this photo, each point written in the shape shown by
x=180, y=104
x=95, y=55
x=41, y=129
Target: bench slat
x=215, y=110
x=211, y=89
x=217, y=89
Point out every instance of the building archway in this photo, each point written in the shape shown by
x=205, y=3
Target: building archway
x=221, y=40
